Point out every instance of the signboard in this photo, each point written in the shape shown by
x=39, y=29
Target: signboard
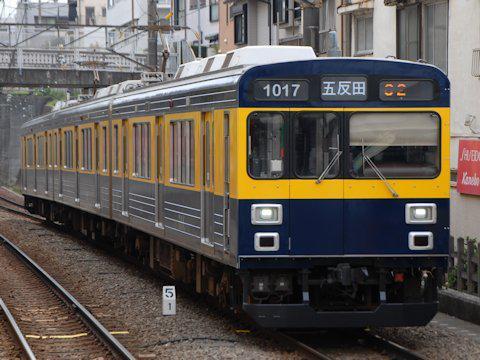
x=280, y=90
x=404, y=90
x=169, y=304
x=344, y=88
x=468, y=173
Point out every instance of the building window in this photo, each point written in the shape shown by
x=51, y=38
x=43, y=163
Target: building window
x=104, y=11
x=364, y=35
x=240, y=22
x=182, y=152
x=193, y=4
x=68, y=153
x=280, y=11
x=141, y=150
x=297, y=12
x=110, y=3
x=436, y=34
x=87, y=149
x=408, y=33
x=326, y=24
x=90, y=15
x=213, y=10
x=179, y=12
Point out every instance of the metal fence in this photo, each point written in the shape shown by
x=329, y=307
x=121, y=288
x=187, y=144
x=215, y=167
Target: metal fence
x=464, y=265
x=68, y=59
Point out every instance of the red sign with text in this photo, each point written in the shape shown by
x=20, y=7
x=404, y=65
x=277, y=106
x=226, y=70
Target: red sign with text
x=468, y=173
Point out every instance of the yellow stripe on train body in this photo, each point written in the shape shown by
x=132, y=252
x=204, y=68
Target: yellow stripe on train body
x=249, y=188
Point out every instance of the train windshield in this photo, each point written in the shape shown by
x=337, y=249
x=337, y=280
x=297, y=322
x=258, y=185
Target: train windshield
x=316, y=141
x=266, y=145
x=400, y=145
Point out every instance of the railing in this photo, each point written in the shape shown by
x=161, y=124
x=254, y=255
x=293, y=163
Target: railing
x=464, y=265
x=75, y=59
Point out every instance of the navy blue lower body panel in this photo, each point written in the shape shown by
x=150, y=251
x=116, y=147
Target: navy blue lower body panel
x=363, y=227
x=304, y=316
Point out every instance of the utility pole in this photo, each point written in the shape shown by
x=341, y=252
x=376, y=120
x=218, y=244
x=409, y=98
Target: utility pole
x=199, y=54
x=152, y=35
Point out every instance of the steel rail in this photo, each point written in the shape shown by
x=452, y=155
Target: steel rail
x=101, y=331
x=16, y=330
x=10, y=201
x=390, y=346
x=309, y=351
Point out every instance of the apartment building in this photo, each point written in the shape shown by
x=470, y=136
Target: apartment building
x=200, y=22
x=128, y=12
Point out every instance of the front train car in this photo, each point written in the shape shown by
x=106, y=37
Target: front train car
x=342, y=192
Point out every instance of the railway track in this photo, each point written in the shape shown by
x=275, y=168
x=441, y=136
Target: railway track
x=13, y=344
x=367, y=344
x=53, y=322
x=348, y=344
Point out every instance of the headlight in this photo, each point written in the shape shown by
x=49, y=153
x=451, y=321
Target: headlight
x=421, y=213
x=267, y=214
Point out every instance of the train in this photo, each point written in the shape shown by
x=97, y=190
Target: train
x=304, y=192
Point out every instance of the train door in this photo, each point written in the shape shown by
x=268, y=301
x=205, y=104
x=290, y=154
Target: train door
x=76, y=161
x=207, y=196
x=159, y=186
x=316, y=187
x=125, y=167
x=226, y=181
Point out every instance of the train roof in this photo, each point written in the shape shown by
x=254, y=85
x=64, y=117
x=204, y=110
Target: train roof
x=228, y=87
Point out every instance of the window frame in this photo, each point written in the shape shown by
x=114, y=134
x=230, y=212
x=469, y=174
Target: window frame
x=244, y=21
x=418, y=34
x=182, y=157
x=143, y=158
x=346, y=147
x=212, y=4
x=286, y=173
x=362, y=17
x=293, y=168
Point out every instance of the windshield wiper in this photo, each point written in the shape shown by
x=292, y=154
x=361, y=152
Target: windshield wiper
x=377, y=171
x=329, y=166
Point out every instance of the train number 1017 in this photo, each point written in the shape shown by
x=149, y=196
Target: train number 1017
x=278, y=90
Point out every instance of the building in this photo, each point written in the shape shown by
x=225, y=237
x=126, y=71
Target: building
x=41, y=12
x=127, y=12
x=200, y=22
x=91, y=12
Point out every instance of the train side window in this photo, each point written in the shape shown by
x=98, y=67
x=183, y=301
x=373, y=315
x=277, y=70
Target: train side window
x=266, y=145
x=30, y=152
x=141, y=150
x=400, y=145
x=54, y=150
x=182, y=152
x=68, y=158
x=41, y=151
x=87, y=149
x=104, y=149
x=115, y=149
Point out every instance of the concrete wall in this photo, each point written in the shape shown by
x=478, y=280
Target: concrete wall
x=14, y=111
x=384, y=30
x=464, y=36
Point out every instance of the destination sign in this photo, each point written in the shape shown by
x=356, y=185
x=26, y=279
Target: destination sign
x=281, y=90
x=344, y=88
x=404, y=90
